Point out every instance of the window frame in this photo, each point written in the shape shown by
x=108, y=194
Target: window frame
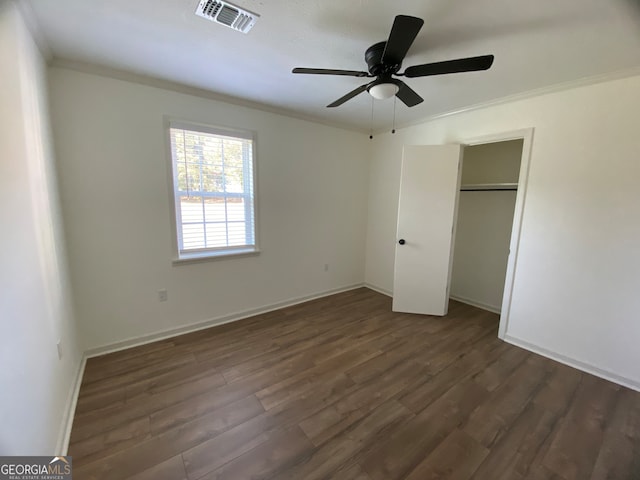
x=218, y=253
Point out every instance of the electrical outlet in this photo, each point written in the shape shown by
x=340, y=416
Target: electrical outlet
x=59, y=347
x=326, y=267
x=162, y=295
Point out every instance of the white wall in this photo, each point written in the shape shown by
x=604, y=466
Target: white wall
x=482, y=247
x=35, y=310
x=497, y=162
x=485, y=219
x=578, y=270
x=110, y=140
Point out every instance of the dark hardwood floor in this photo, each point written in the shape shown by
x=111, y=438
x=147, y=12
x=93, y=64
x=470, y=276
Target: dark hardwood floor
x=342, y=388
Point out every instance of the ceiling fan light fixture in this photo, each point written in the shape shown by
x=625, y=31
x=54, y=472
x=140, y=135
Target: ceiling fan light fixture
x=382, y=91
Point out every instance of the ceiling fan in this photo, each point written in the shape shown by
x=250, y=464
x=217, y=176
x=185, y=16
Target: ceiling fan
x=384, y=60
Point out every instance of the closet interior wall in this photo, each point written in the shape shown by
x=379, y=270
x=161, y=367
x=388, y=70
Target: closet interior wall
x=485, y=218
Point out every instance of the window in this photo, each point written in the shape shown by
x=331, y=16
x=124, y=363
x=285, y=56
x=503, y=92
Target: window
x=213, y=190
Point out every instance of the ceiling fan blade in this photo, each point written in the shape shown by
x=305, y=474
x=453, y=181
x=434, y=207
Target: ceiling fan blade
x=348, y=96
x=404, y=31
x=408, y=96
x=470, y=64
x=325, y=71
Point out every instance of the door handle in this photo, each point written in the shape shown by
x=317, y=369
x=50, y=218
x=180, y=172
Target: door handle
x=401, y=241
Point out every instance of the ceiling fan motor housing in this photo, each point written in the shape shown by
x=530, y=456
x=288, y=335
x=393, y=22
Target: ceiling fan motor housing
x=373, y=57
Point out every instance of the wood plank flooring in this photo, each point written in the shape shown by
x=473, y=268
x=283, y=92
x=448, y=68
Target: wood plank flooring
x=342, y=388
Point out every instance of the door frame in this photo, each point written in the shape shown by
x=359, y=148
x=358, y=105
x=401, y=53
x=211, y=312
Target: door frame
x=526, y=135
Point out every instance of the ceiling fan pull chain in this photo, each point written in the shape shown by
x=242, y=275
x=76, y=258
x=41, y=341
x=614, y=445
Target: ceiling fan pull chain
x=371, y=122
x=393, y=128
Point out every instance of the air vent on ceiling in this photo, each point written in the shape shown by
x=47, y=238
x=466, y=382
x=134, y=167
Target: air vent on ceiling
x=227, y=14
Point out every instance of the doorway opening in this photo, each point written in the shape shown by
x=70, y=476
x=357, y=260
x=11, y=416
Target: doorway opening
x=430, y=180
x=490, y=203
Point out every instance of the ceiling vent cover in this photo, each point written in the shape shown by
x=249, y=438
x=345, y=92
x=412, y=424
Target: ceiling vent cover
x=227, y=14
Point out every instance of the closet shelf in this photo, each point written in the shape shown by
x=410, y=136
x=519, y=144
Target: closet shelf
x=488, y=187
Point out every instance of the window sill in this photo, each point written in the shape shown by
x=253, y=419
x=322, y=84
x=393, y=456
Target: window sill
x=200, y=258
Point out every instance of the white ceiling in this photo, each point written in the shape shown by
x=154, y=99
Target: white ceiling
x=536, y=44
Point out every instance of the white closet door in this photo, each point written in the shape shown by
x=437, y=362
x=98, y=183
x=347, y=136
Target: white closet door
x=427, y=209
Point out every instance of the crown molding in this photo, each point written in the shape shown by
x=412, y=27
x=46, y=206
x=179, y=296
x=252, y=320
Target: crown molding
x=538, y=92
x=101, y=70
x=141, y=79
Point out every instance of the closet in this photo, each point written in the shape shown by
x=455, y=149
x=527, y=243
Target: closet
x=486, y=204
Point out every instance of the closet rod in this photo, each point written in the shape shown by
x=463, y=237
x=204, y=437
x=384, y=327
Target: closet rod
x=488, y=189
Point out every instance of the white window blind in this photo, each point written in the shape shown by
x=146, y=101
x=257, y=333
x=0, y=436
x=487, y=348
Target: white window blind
x=213, y=184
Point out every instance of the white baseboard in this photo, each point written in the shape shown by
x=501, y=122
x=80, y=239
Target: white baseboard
x=378, y=289
x=70, y=411
x=475, y=303
x=583, y=366
x=194, y=327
